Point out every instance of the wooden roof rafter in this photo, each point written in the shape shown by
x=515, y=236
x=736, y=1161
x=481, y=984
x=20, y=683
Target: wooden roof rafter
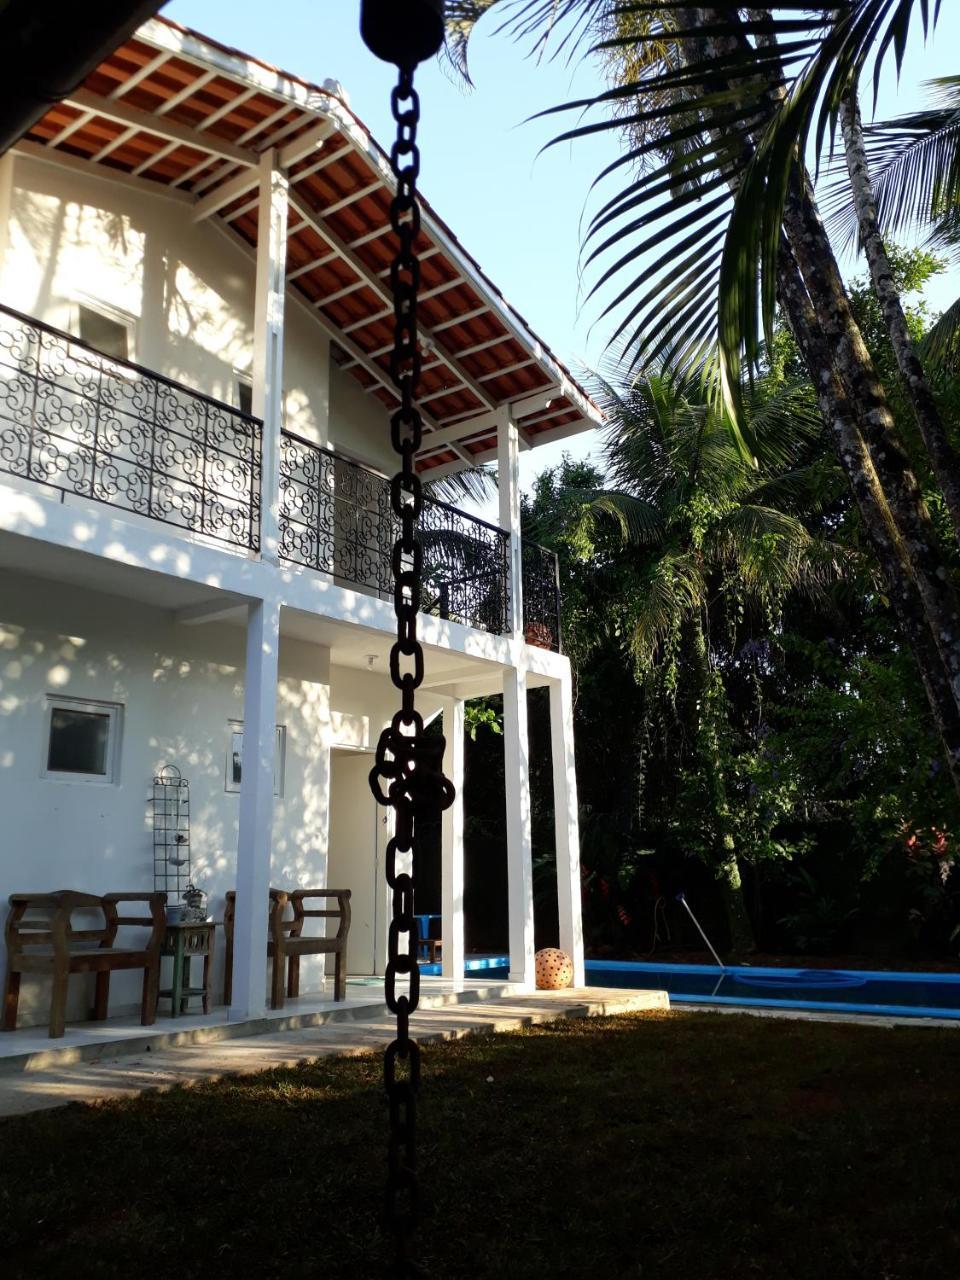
x=363, y=273
x=173, y=111
x=122, y=113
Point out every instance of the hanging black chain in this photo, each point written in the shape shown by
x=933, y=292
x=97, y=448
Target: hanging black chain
x=408, y=774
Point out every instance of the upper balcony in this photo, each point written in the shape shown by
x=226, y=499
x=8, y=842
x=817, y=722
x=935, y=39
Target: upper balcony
x=107, y=430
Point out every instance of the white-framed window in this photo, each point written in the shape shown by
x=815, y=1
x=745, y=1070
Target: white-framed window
x=244, y=395
x=82, y=740
x=108, y=332
x=234, y=765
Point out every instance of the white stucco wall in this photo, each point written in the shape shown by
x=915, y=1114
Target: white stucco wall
x=180, y=687
x=187, y=288
x=358, y=423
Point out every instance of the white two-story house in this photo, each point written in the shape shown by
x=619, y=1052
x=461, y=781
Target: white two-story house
x=194, y=522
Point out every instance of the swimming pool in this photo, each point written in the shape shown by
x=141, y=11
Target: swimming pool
x=913, y=995
x=917, y=995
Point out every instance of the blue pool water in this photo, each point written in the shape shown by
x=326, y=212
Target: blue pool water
x=918, y=995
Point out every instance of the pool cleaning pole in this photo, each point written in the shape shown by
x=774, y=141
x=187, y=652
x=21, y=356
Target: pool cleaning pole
x=682, y=899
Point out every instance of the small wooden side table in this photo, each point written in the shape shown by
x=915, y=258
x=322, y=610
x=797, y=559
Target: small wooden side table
x=182, y=942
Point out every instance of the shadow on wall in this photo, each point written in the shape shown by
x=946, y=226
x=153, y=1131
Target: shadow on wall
x=188, y=289
x=179, y=689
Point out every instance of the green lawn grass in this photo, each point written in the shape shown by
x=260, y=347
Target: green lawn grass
x=673, y=1145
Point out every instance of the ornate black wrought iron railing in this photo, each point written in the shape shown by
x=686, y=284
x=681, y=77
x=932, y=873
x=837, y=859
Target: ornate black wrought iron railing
x=541, y=596
x=335, y=516
x=95, y=427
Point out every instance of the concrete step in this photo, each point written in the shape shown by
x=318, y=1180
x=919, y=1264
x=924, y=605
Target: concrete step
x=86, y=1041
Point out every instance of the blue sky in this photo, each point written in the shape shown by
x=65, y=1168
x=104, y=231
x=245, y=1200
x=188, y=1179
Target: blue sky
x=518, y=212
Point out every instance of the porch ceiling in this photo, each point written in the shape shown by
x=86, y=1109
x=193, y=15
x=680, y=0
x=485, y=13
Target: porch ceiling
x=37, y=559
x=351, y=644
x=173, y=108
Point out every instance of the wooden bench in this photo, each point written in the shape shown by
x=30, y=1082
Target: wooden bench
x=41, y=939
x=287, y=943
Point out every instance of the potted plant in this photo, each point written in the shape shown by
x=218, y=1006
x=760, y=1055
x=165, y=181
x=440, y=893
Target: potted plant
x=539, y=634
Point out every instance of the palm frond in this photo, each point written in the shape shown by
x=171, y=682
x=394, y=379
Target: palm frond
x=473, y=484
x=523, y=18
x=639, y=522
x=782, y=425
x=672, y=587
x=940, y=348
x=804, y=490
x=914, y=167
x=772, y=552
x=727, y=100
x=656, y=245
x=856, y=40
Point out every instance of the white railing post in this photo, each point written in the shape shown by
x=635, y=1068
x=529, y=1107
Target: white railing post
x=519, y=836
x=256, y=810
x=268, y=340
x=566, y=825
x=508, y=480
x=454, y=718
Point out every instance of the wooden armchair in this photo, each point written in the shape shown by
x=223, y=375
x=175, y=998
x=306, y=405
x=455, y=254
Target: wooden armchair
x=40, y=938
x=286, y=941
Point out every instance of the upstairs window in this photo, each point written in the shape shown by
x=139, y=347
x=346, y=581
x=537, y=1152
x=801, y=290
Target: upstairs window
x=245, y=396
x=82, y=740
x=105, y=334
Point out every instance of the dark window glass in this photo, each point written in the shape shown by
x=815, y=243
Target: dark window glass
x=245, y=393
x=78, y=741
x=108, y=336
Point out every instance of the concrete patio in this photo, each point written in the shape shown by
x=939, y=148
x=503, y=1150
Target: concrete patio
x=96, y=1061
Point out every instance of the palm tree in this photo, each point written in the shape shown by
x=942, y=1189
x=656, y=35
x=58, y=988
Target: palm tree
x=913, y=167
x=762, y=80
x=725, y=100
x=944, y=459
x=711, y=537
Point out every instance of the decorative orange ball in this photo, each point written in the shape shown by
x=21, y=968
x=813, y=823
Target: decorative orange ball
x=554, y=969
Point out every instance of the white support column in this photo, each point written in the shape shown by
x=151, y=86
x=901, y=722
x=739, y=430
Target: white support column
x=454, y=718
x=508, y=479
x=519, y=837
x=566, y=825
x=268, y=340
x=256, y=810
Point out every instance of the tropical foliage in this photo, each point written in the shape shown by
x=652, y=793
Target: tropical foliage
x=745, y=702
x=720, y=99
x=713, y=269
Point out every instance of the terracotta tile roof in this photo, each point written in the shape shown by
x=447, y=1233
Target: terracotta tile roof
x=175, y=108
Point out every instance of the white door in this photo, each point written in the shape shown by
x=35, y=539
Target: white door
x=358, y=837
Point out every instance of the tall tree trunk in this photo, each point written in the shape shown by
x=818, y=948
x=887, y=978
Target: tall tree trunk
x=873, y=508
x=851, y=360
x=944, y=460
x=864, y=393
x=707, y=739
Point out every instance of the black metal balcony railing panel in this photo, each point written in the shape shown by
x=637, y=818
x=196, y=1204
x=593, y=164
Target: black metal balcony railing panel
x=541, y=596
x=465, y=573
x=335, y=516
x=95, y=427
